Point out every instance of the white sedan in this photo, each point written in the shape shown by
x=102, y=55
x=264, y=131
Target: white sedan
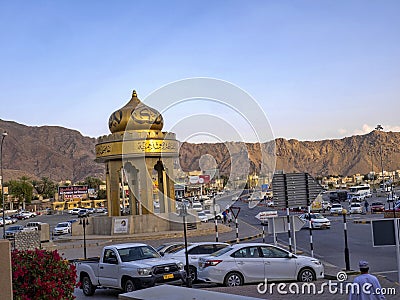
x=202, y=216
x=254, y=262
x=62, y=228
x=195, y=251
x=318, y=221
x=355, y=208
x=336, y=209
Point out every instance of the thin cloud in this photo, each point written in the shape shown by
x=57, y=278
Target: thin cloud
x=368, y=128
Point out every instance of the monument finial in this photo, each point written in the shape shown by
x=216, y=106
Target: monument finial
x=134, y=95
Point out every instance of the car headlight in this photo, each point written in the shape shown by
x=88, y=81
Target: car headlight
x=180, y=265
x=316, y=261
x=144, y=271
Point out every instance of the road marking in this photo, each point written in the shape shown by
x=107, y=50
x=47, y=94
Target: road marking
x=384, y=272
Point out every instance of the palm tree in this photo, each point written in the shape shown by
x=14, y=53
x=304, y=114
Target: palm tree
x=22, y=189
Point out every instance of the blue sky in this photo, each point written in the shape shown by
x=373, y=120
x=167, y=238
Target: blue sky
x=318, y=69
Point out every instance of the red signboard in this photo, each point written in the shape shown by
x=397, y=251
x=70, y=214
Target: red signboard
x=201, y=179
x=70, y=191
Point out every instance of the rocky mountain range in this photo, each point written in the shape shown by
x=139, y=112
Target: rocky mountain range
x=60, y=153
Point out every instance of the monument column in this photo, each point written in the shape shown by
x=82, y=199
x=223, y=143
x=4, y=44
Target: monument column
x=136, y=139
x=114, y=184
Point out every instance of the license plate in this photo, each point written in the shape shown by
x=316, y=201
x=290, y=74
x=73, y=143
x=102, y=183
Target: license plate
x=168, y=276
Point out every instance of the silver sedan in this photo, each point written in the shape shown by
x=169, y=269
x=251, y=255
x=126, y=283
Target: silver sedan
x=254, y=262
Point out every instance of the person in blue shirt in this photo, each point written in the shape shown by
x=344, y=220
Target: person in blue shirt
x=366, y=205
x=369, y=287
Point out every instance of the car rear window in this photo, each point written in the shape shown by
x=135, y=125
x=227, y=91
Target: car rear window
x=222, y=251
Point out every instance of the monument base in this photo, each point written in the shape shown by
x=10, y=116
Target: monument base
x=131, y=224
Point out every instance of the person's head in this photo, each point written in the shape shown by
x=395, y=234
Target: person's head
x=363, y=265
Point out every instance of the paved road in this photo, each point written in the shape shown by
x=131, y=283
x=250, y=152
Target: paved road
x=329, y=244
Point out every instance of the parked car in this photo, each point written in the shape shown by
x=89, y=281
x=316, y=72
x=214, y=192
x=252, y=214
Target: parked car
x=208, y=202
x=336, y=209
x=90, y=210
x=100, y=209
x=202, y=216
x=377, y=207
x=326, y=205
x=13, y=220
x=156, y=204
x=355, y=208
x=62, y=228
x=195, y=251
x=127, y=267
x=83, y=212
x=74, y=211
x=197, y=206
x=318, y=221
x=12, y=230
x=170, y=247
x=6, y=221
x=244, y=263
x=209, y=214
x=21, y=217
x=33, y=225
x=27, y=214
x=357, y=198
x=72, y=221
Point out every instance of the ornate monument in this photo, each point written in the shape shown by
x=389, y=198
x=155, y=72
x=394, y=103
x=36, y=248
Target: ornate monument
x=138, y=153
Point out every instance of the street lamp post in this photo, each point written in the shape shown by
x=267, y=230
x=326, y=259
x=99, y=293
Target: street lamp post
x=215, y=219
x=346, y=245
x=84, y=221
x=2, y=182
x=183, y=214
x=379, y=128
x=372, y=165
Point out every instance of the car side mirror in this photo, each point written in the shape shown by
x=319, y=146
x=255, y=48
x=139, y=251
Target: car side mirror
x=162, y=253
x=290, y=255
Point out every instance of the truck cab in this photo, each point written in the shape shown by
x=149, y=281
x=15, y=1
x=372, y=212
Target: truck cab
x=127, y=267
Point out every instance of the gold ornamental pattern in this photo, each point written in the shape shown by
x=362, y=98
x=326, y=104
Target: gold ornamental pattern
x=136, y=147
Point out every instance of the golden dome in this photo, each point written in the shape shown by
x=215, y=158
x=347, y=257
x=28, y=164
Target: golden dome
x=135, y=115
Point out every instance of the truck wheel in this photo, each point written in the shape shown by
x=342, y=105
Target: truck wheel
x=193, y=273
x=129, y=286
x=87, y=286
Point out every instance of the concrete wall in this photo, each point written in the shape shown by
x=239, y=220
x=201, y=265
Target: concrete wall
x=6, y=274
x=27, y=240
x=104, y=225
x=390, y=214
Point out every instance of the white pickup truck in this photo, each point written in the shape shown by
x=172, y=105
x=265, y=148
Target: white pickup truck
x=127, y=267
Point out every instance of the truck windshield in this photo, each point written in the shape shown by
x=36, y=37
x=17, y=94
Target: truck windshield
x=137, y=253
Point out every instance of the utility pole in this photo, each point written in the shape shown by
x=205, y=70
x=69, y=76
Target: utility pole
x=4, y=134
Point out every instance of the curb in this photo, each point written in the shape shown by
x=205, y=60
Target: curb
x=100, y=240
x=334, y=277
x=362, y=221
x=244, y=239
